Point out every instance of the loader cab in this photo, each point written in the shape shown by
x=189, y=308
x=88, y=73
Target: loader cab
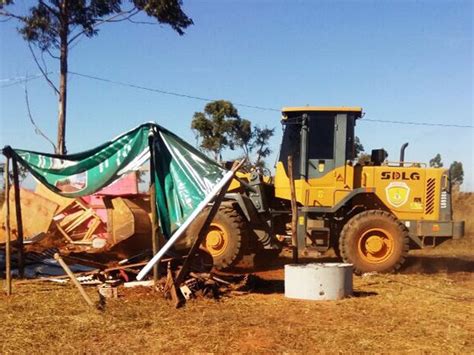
x=319, y=138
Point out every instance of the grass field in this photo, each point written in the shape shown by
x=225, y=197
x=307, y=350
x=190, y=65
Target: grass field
x=427, y=307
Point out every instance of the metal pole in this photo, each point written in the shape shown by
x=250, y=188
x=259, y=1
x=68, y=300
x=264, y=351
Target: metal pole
x=154, y=215
x=8, y=275
x=294, y=212
x=19, y=219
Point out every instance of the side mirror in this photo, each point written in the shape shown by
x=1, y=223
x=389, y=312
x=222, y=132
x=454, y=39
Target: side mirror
x=378, y=156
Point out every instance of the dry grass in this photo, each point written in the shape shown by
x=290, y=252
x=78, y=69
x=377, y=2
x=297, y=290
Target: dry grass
x=405, y=312
x=429, y=307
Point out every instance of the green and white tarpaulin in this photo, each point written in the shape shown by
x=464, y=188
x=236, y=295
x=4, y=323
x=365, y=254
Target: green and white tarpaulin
x=183, y=175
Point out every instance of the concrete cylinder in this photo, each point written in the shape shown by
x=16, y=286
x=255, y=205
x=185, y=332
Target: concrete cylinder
x=318, y=281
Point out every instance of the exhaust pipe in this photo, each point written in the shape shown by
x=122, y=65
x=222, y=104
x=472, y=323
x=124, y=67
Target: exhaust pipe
x=402, y=153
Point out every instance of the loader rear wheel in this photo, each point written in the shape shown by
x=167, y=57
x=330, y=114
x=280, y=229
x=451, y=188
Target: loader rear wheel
x=374, y=241
x=224, y=239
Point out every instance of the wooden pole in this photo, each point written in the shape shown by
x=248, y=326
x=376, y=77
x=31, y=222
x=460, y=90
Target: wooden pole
x=294, y=212
x=154, y=214
x=19, y=219
x=8, y=271
x=68, y=271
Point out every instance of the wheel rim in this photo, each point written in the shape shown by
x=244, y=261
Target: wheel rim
x=217, y=240
x=376, y=245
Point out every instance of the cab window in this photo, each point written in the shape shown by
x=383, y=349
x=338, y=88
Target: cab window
x=321, y=137
x=291, y=146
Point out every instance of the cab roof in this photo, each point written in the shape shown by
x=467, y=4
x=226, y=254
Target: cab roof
x=322, y=109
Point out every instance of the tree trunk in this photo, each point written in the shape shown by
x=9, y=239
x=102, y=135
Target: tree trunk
x=61, y=143
x=259, y=155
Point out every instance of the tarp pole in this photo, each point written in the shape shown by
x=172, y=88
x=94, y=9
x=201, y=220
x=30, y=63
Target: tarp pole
x=8, y=275
x=19, y=219
x=156, y=258
x=154, y=215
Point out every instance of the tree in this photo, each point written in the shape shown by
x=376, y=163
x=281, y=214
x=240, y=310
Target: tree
x=362, y=157
x=53, y=26
x=436, y=161
x=358, y=147
x=261, y=137
x=241, y=135
x=216, y=127
x=220, y=126
x=456, y=173
x=22, y=173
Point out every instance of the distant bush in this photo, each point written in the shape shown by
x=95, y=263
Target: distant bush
x=463, y=203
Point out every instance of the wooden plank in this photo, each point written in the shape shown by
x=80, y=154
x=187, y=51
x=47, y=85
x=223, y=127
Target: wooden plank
x=83, y=217
x=73, y=279
x=65, y=235
x=37, y=213
x=61, y=201
x=19, y=220
x=8, y=273
x=66, y=220
x=92, y=229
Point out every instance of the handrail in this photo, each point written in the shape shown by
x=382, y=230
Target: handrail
x=405, y=164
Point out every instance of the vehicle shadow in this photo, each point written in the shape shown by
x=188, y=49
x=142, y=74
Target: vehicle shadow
x=262, y=286
x=281, y=261
x=269, y=278
x=266, y=287
x=414, y=264
x=361, y=294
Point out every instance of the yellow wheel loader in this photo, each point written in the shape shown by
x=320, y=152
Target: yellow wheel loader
x=370, y=214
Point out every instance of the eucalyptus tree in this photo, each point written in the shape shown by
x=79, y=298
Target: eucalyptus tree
x=54, y=26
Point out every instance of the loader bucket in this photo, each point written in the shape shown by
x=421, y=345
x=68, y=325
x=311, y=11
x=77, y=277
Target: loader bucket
x=126, y=217
x=128, y=225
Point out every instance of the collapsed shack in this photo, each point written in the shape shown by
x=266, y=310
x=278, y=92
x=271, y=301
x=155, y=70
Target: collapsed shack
x=113, y=223
x=87, y=207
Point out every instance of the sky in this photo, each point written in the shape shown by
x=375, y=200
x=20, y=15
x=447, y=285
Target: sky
x=409, y=61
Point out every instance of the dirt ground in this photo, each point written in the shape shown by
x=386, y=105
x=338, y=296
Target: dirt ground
x=429, y=306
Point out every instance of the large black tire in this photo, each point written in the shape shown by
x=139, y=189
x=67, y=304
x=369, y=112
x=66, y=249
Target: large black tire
x=225, y=238
x=374, y=240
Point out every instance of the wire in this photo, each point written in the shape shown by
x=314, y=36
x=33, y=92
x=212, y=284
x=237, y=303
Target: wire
x=160, y=91
x=253, y=106
x=419, y=123
x=200, y=98
x=20, y=80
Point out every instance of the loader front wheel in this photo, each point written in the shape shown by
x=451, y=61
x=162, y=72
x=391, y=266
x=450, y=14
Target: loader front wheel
x=224, y=239
x=374, y=241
